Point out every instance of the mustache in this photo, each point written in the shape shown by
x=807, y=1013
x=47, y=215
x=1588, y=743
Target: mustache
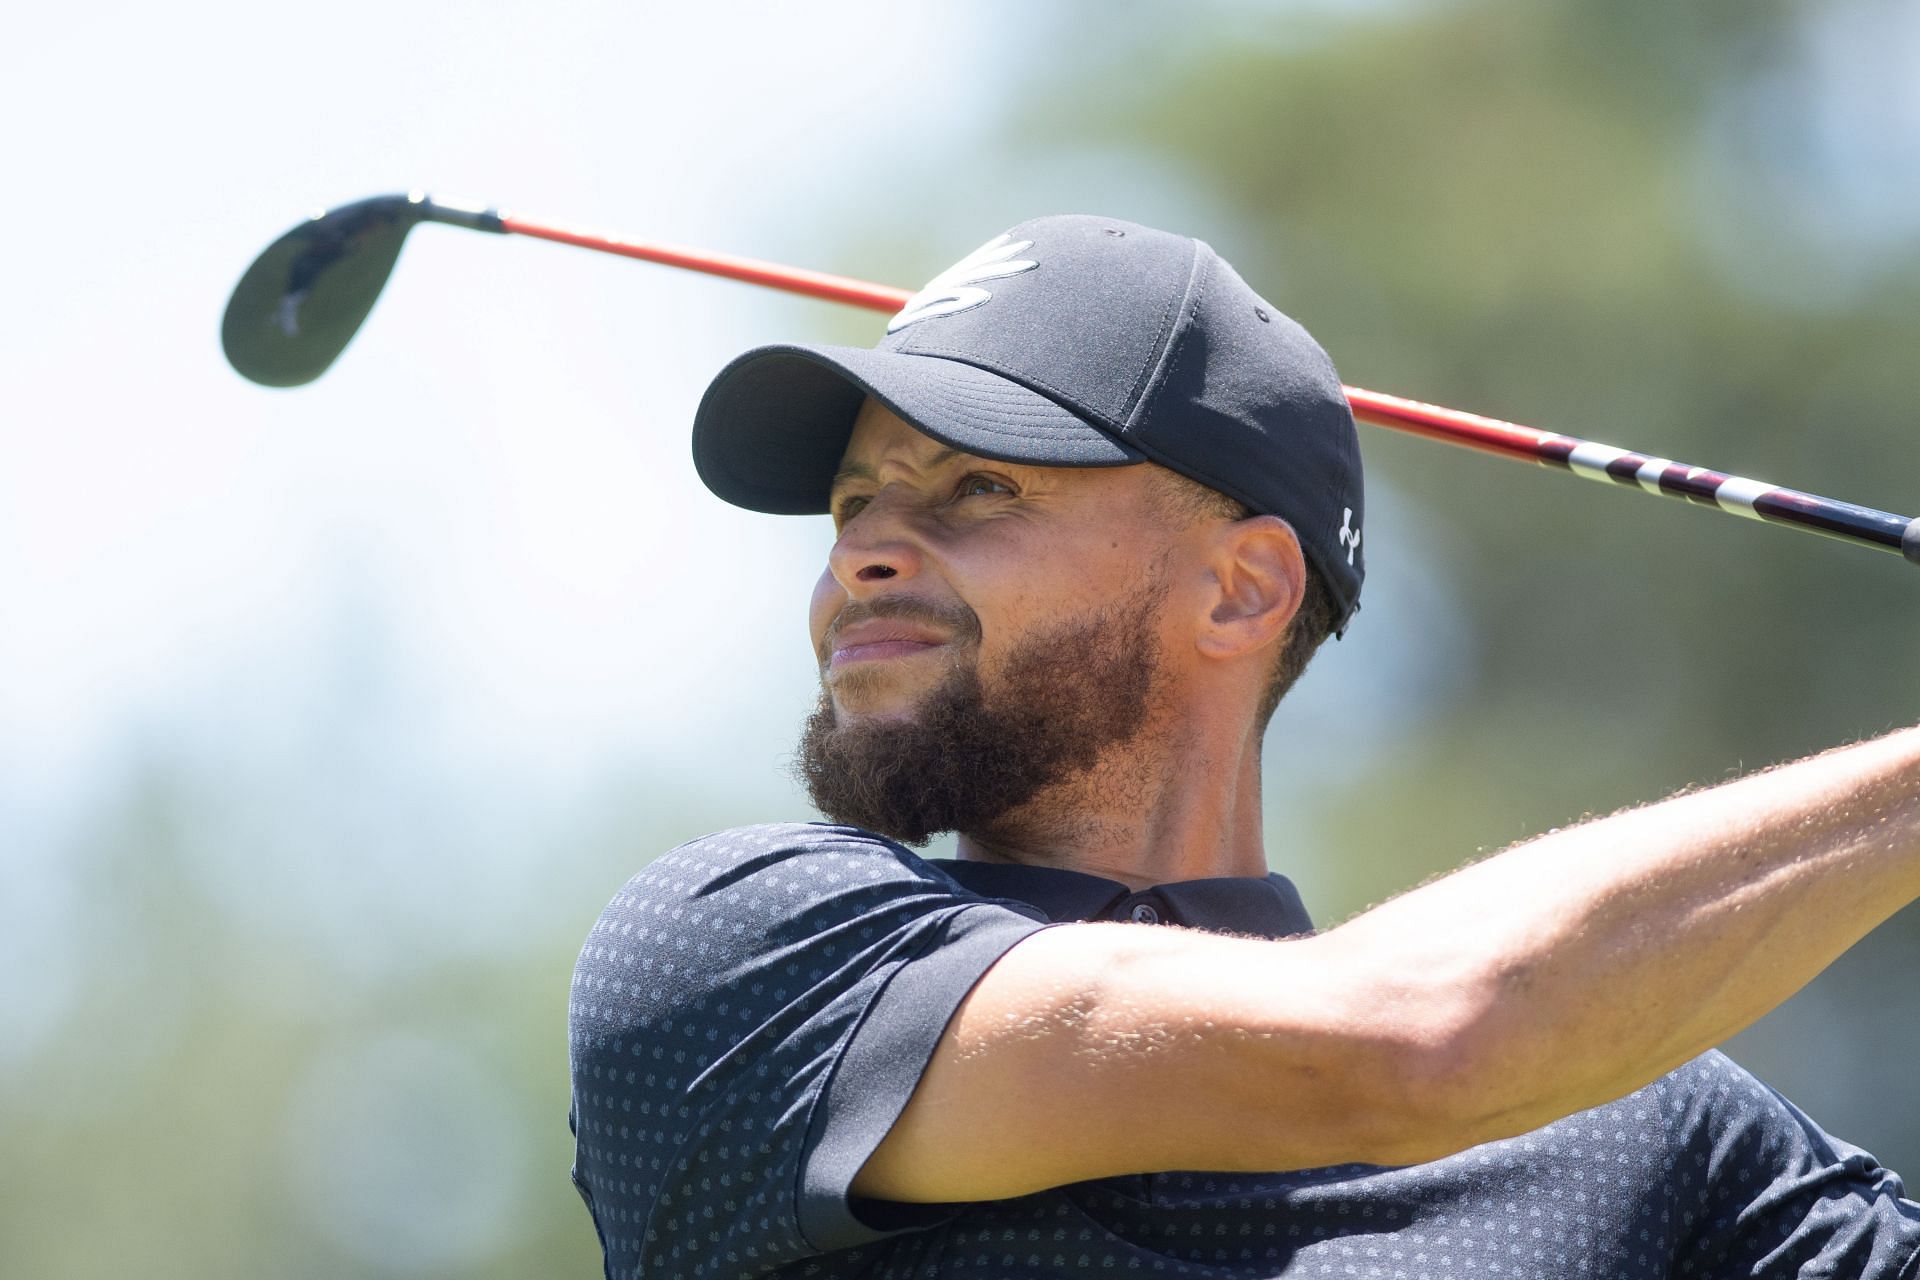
x=957, y=619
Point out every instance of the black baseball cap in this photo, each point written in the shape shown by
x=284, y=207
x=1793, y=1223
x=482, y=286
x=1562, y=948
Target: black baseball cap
x=1073, y=341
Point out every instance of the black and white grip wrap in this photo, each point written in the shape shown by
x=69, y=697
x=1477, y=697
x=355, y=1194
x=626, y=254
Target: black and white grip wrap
x=1736, y=495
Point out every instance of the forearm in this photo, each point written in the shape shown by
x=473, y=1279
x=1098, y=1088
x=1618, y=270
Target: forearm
x=1550, y=978
x=1577, y=967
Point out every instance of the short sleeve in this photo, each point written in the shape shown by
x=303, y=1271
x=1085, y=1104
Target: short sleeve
x=749, y=1016
x=1760, y=1190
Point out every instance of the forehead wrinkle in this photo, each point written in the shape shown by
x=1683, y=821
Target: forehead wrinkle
x=864, y=471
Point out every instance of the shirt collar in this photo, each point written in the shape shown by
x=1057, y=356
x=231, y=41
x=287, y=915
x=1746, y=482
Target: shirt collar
x=1268, y=907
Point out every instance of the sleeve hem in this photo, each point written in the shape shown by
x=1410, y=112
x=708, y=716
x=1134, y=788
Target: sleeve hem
x=881, y=1065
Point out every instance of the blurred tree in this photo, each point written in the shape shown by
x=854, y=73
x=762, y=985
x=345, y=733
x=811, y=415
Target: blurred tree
x=1518, y=207
x=221, y=1104
x=1511, y=208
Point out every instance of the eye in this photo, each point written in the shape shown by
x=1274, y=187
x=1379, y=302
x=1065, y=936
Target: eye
x=846, y=509
x=979, y=484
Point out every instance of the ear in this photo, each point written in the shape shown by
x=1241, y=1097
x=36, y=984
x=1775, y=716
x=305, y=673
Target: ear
x=1259, y=577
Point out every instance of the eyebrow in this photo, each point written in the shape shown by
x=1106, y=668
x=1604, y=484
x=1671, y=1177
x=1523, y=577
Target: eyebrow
x=861, y=471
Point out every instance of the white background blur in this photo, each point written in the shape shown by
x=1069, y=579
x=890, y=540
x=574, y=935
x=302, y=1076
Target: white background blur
x=330, y=717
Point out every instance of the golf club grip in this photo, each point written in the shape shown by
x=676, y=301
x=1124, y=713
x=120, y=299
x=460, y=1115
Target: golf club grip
x=1702, y=486
x=1736, y=495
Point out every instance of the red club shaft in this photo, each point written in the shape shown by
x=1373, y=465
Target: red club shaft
x=772, y=275
x=1733, y=494
x=1509, y=439
x=1368, y=406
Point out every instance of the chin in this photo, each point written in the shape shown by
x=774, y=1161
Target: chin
x=874, y=695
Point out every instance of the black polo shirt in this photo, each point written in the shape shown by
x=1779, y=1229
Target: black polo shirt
x=753, y=1010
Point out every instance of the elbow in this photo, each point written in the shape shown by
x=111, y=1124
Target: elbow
x=1468, y=1078
x=1437, y=1103
x=1440, y=1075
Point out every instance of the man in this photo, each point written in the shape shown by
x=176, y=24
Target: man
x=1096, y=504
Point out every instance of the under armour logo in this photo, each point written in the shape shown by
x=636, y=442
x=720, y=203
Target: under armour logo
x=1349, y=536
x=287, y=314
x=958, y=287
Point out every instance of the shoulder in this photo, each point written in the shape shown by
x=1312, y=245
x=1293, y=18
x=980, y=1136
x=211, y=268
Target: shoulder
x=1725, y=1119
x=763, y=845
x=1759, y=1188
x=1713, y=1101
x=764, y=899
x=1714, y=1095
x=784, y=867
x=748, y=1017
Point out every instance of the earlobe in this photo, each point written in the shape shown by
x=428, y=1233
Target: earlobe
x=1260, y=578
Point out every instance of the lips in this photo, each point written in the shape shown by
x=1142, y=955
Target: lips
x=879, y=639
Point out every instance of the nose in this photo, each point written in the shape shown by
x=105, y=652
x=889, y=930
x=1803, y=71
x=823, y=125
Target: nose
x=876, y=548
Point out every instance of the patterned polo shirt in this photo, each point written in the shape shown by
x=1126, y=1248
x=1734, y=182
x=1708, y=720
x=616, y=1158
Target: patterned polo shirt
x=753, y=1010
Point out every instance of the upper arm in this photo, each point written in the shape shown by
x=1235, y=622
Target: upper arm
x=748, y=1016
x=1095, y=1050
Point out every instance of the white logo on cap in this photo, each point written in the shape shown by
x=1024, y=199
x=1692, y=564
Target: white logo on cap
x=958, y=287
x=1349, y=536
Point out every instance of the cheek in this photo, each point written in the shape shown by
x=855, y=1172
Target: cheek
x=1082, y=581
x=828, y=599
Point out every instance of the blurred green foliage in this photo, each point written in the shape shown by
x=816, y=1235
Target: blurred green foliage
x=1523, y=210
x=1512, y=206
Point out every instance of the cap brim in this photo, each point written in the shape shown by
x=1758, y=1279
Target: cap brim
x=772, y=427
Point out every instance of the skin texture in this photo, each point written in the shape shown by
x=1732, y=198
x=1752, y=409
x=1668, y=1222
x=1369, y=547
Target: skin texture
x=1066, y=695
x=1018, y=548
x=1553, y=977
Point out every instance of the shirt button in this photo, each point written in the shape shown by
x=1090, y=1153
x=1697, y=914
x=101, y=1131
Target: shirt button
x=1143, y=913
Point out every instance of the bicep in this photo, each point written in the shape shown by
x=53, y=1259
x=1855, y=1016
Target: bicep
x=1096, y=1050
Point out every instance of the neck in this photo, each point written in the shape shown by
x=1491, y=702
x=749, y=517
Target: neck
x=1155, y=814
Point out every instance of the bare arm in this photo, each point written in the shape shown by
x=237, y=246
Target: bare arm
x=1556, y=976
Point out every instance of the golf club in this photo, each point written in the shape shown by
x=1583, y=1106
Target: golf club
x=300, y=303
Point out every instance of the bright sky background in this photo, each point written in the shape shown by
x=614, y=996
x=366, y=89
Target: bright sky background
x=415, y=619
x=435, y=618
x=421, y=610
x=495, y=477
x=406, y=618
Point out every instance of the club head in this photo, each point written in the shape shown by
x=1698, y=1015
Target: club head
x=301, y=301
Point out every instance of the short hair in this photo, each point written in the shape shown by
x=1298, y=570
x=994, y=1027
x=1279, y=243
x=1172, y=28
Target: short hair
x=1185, y=501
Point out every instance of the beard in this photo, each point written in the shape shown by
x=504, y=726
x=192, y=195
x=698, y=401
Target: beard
x=970, y=754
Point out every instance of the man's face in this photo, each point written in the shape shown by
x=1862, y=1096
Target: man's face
x=984, y=630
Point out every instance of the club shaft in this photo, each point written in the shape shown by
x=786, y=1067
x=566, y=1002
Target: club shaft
x=1702, y=486
x=772, y=275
